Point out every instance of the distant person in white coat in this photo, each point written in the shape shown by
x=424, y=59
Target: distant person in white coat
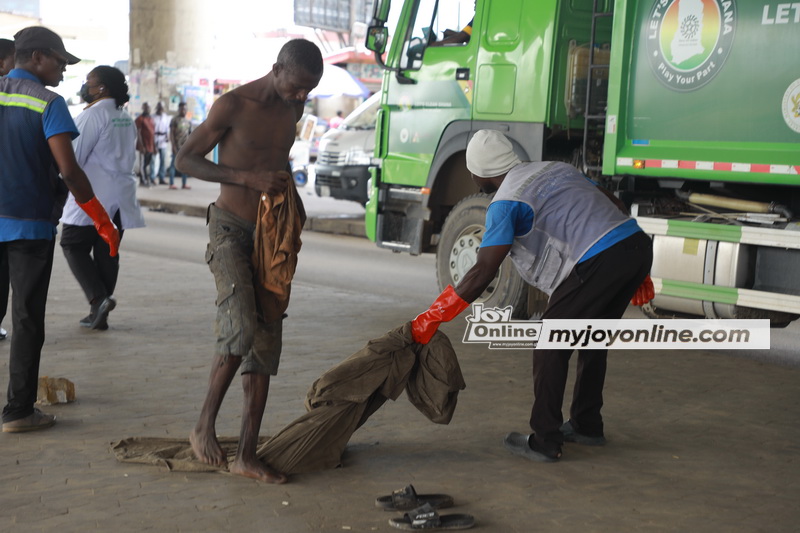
x=161, y=121
x=106, y=149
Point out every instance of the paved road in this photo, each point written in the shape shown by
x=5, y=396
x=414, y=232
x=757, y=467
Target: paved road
x=342, y=262
x=201, y=193
x=698, y=441
x=357, y=264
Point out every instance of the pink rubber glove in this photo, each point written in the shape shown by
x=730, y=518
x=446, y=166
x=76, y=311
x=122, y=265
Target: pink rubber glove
x=644, y=293
x=446, y=307
x=107, y=230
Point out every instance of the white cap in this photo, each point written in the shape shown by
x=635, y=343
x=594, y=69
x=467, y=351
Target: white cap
x=490, y=154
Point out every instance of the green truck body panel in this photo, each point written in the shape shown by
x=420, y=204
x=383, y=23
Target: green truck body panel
x=730, y=95
x=695, y=90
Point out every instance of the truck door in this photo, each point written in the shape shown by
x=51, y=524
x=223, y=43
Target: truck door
x=432, y=89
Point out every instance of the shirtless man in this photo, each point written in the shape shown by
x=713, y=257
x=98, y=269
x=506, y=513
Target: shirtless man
x=254, y=126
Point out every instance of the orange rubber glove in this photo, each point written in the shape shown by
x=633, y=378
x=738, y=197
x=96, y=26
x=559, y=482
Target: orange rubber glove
x=446, y=307
x=105, y=228
x=644, y=293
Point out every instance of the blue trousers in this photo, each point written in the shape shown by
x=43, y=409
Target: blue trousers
x=162, y=164
x=173, y=171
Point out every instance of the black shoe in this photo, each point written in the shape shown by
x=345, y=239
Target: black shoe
x=570, y=435
x=523, y=445
x=100, y=316
x=86, y=322
x=33, y=422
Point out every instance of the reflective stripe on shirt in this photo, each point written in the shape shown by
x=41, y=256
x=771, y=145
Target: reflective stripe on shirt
x=22, y=100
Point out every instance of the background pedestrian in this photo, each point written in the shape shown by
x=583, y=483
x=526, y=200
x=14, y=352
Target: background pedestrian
x=106, y=150
x=161, y=121
x=179, y=129
x=36, y=148
x=145, y=145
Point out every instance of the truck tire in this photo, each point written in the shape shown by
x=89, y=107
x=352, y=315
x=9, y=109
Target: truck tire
x=458, y=249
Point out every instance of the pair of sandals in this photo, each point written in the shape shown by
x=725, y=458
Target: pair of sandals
x=421, y=511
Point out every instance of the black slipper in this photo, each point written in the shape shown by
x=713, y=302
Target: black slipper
x=520, y=444
x=407, y=498
x=426, y=518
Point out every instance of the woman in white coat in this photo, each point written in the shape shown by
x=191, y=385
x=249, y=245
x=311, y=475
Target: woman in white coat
x=106, y=150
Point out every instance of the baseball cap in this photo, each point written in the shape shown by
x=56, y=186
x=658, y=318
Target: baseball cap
x=39, y=37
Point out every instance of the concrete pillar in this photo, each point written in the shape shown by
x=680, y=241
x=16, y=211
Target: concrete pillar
x=180, y=47
x=172, y=44
x=177, y=32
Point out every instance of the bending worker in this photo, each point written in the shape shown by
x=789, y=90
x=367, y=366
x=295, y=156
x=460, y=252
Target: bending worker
x=568, y=239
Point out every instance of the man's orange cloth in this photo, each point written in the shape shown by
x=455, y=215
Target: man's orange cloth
x=276, y=245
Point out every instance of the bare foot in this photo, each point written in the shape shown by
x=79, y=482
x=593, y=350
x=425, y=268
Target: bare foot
x=256, y=470
x=207, y=449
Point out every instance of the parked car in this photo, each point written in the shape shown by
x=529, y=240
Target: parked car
x=342, y=167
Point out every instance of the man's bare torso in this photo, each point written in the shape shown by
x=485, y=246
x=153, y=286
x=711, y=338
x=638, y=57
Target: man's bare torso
x=261, y=134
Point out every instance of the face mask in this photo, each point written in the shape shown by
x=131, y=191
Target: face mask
x=88, y=98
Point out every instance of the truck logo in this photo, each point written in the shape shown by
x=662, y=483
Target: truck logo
x=791, y=106
x=688, y=41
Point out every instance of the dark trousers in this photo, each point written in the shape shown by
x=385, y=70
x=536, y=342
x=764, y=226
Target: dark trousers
x=600, y=287
x=30, y=263
x=147, y=172
x=87, y=257
x=4, y=281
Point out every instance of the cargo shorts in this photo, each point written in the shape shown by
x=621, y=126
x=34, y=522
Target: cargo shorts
x=240, y=327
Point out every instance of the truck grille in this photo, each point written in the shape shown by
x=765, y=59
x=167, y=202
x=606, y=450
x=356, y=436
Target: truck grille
x=331, y=181
x=331, y=158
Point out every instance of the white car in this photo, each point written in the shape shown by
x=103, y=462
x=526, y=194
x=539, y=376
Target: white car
x=345, y=154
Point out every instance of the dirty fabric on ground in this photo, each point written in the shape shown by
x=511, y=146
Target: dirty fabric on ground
x=338, y=403
x=342, y=399
x=173, y=454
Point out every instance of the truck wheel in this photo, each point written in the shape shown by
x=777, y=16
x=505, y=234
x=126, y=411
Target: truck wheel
x=458, y=251
x=300, y=177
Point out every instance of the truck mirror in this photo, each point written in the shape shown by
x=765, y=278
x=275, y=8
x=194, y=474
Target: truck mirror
x=376, y=39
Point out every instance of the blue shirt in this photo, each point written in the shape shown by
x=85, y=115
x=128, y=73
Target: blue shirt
x=29, y=115
x=506, y=219
x=56, y=118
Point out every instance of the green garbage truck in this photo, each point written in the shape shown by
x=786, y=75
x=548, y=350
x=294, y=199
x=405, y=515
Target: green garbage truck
x=688, y=110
